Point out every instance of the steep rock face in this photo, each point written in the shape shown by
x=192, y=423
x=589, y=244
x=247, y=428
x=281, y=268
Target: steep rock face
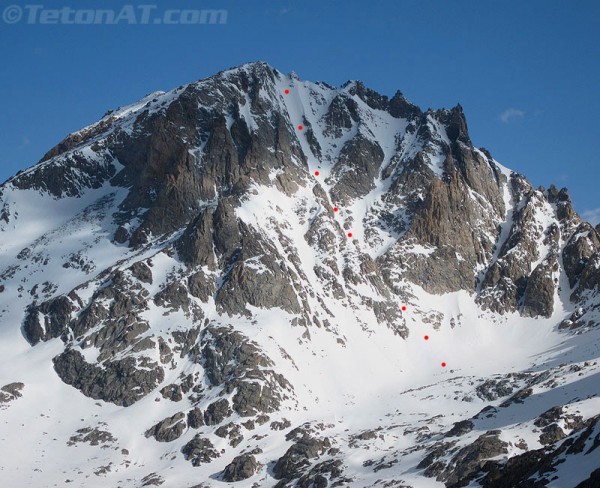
x=200, y=236
x=538, y=296
x=523, y=274
x=56, y=314
x=446, y=220
x=168, y=172
x=357, y=167
x=215, y=140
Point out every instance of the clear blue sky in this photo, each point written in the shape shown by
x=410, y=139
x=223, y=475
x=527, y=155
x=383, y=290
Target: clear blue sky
x=526, y=72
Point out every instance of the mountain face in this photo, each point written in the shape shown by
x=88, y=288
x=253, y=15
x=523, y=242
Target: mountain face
x=258, y=281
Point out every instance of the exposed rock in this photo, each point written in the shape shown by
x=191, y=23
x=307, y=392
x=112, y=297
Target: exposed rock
x=119, y=382
x=539, y=463
x=516, y=471
x=492, y=389
x=538, y=297
x=169, y=429
x=174, y=296
x=216, y=412
x=549, y=417
x=518, y=397
x=152, y=480
x=299, y=456
x=341, y=114
x=281, y=425
x=592, y=482
x=186, y=340
x=121, y=235
x=11, y=392
x=265, y=283
x=251, y=398
x=56, y=315
x=231, y=431
x=199, y=451
x=227, y=354
x=460, y=428
x=366, y=435
x=242, y=467
x=142, y=272
x=323, y=473
x=201, y=286
x=195, y=418
x=433, y=468
x=441, y=222
x=589, y=279
x=506, y=279
x=172, y=392
x=230, y=359
x=164, y=351
x=356, y=168
x=550, y=434
x=471, y=458
x=70, y=178
x=93, y=436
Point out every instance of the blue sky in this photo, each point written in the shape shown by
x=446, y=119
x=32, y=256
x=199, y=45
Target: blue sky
x=526, y=72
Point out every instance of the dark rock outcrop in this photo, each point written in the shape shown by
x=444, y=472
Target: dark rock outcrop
x=460, y=428
x=299, y=456
x=56, y=315
x=470, y=459
x=216, y=412
x=231, y=360
x=199, y=451
x=241, y=468
x=195, y=418
x=169, y=429
x=11, y=392
x=120, y=382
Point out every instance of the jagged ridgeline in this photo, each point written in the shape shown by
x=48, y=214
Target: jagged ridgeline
x=176, y=277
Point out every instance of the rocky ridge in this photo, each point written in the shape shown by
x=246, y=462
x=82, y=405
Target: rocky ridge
x=192, y=257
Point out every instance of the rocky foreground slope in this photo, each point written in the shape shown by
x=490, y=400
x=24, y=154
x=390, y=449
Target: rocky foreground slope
x=253, y=280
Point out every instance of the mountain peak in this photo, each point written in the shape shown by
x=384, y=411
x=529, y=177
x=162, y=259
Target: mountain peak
x=251, y=67
x=179, y=276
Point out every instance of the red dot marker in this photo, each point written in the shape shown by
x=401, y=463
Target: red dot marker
x=403, y=308
x=300, y=127
x=443, y=365
x=349, y=234
x=317, y=173
x=287, y=92
x=335, y=209
x=426, y=337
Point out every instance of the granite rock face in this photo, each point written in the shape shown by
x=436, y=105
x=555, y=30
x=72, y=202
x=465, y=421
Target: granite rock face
x=210, y=234
x=241, y=468
x=482, y=226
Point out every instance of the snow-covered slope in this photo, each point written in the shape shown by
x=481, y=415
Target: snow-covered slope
x=254, y=280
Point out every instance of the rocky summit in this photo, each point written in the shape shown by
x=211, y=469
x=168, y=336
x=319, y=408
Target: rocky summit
x=258, y=281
